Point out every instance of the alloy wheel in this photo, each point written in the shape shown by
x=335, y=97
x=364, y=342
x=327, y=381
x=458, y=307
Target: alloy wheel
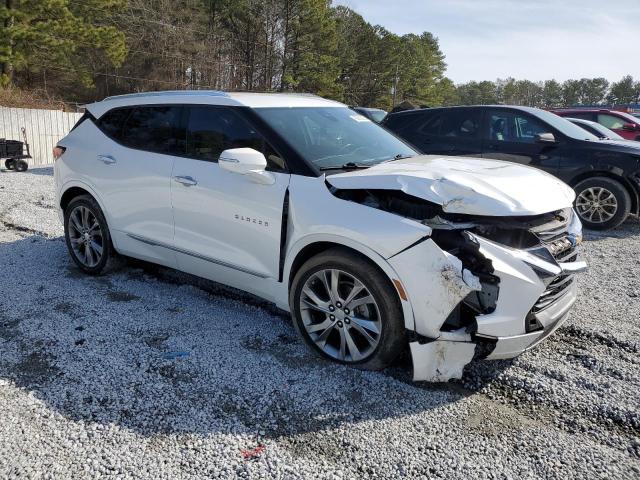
x=86, y=236
x=596, y=204
x=340, y=315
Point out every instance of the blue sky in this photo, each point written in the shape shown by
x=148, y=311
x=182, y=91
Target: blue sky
x=532, y=39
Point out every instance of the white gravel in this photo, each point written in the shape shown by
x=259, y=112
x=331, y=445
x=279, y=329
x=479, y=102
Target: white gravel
x=148, y=373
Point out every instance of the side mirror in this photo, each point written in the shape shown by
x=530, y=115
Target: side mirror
x=545, y=138
x=630, y=127
x=246, y=161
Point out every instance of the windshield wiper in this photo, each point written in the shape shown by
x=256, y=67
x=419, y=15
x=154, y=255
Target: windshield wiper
x=345, y=166
x=399, y=156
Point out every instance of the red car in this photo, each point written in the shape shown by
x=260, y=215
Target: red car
x=624, y=124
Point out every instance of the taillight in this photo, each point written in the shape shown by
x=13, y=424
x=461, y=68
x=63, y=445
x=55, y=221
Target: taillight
x=57, y=152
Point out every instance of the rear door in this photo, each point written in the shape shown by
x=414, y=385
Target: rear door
x=227, y=226
x=132, y=175
x=510, y=135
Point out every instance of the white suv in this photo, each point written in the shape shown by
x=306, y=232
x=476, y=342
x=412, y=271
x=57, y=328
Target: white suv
x=308, y=204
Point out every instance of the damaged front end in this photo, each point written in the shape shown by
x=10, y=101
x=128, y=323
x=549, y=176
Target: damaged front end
x=480, y=286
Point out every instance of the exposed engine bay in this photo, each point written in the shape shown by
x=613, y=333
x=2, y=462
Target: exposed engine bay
x=506, y=282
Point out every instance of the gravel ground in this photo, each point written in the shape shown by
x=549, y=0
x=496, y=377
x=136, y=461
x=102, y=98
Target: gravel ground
x=149, y=373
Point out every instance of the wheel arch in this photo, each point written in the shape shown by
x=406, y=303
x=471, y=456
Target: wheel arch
x=70, y=194
x=633, y=193
x=307, y=248
x=73, y=189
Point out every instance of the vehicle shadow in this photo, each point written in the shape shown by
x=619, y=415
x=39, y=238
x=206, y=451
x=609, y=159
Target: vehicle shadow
x=40, y=170
x=156, y=351
x=36, y=170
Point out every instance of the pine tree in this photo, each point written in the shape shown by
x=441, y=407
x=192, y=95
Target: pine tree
x=62, y=36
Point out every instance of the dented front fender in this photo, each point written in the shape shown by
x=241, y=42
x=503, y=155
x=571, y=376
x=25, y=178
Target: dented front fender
x=435, y=282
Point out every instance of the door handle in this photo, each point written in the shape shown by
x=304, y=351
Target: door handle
x=186, y=181
x=107, y=159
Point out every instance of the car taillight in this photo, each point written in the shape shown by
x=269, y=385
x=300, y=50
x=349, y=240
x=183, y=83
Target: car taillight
x=57, y=152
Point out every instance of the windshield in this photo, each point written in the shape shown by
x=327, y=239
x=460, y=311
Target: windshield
x=597, y=129
x=332, y=137
x=610, y=134
x=565, y=126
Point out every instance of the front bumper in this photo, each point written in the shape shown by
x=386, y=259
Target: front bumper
x=534, y=298
x=552, y=318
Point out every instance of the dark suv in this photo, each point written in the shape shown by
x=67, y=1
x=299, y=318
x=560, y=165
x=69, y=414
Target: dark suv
x=604, y=174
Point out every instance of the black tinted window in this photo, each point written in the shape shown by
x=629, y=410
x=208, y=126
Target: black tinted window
x=155, y=129
x=212, y=130
x=461, y=123
x=397, y=123
x=510, y=127
x=112, y=122
x=432, y=125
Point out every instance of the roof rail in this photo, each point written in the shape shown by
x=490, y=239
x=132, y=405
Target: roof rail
x=193, y=93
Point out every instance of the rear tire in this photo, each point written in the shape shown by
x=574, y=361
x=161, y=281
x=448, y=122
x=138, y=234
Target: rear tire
x=9, y=164
x=602, y=203
x=363, y=329
x=87, y=236
x=20, y=165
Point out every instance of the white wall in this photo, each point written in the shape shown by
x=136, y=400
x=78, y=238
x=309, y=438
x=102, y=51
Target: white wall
x=44, y=129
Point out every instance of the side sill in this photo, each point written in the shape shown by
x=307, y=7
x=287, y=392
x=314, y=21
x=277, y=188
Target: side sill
x=196, y=255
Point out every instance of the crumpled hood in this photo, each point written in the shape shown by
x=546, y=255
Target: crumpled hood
x=465, y=185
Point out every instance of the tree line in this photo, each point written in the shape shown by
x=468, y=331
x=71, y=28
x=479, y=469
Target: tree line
x=549, y=93
x=84, y=50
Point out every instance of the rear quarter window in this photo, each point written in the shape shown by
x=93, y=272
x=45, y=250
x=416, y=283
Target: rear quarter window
x=158, y=129
x=112, y=123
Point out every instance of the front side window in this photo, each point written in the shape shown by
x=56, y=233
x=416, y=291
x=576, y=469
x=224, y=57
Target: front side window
x=212, y=130
x=155, y=129
x=509, y=127
x=610, y=121
x=332, y=137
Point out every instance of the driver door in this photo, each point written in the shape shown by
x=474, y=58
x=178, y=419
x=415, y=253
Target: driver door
x=227, y=226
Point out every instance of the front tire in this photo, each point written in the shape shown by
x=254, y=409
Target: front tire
x=347, y=310
x=602, y=203
x=87, y=235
